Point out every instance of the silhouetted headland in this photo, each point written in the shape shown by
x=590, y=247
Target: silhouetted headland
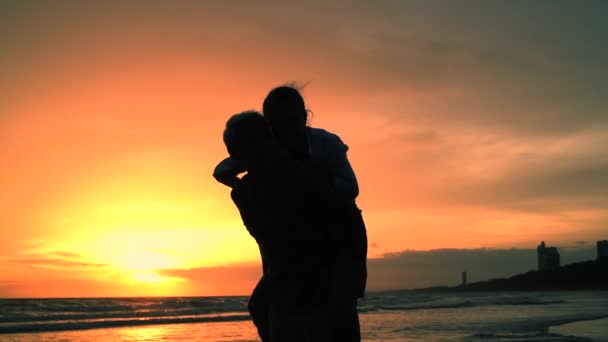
x=550, y=276
x=587, y=275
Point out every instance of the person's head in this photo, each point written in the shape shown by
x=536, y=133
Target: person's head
x=245, y=134
x=286, y=113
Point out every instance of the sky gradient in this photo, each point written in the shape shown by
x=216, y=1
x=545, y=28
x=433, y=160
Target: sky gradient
x=481, y=125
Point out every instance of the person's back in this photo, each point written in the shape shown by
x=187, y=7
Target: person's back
x=286, y=112
x=277, y=212
x=280, y=207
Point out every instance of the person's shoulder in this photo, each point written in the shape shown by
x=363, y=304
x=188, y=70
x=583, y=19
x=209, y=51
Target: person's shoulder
x=323, y=134
x=327, y=139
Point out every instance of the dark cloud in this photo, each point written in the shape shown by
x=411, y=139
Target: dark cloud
x=549, y=187
x=526, y=68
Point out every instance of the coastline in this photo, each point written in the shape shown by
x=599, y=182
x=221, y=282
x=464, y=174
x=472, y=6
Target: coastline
x=594, y=329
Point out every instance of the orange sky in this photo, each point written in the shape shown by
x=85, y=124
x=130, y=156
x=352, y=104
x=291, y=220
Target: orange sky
x=462, y=135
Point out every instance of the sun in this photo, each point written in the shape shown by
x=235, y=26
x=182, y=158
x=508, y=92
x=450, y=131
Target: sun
x=153, y=280
x=150, y=283
x=141, y=259
x=149, y=277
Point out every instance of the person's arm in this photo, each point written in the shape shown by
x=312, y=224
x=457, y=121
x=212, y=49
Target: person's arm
x=343, y=176
x=227, y=171
x=304, y=179
x=249, y=209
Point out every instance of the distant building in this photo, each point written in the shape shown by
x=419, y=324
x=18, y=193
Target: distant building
x=602, y=249
x=548, y=257
x=464, y=279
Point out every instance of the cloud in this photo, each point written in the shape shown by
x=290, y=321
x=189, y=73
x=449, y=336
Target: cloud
x=66, y=254
x=216, y=274
x=540, y=184
x=55, y=259
x=484, y=107
x=54, y=262
x=229, y=280
x=406, y=269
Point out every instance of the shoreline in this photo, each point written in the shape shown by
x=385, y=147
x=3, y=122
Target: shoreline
x=594, y=329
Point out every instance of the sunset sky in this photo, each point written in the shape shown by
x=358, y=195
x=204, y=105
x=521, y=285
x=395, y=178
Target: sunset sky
x=471, y=124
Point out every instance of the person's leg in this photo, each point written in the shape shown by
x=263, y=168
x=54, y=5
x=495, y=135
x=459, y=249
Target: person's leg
x=343, y=316
x=285, y=326
x=317, y=326
x=352, y=317
x=344, y=322
x=309, y=326
x=259, y=310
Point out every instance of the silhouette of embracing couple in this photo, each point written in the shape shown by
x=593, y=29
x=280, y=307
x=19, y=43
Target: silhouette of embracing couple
x=297, y=200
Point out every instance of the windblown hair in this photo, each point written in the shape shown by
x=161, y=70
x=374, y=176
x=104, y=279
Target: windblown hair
x=285, y=100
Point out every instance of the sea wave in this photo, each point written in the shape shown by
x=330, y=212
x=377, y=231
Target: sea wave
x=112, y=323
x=27, y=310
x=389, y=307
x=434, y=302
x=37, y=315
x=108, y=315
x=527, y=336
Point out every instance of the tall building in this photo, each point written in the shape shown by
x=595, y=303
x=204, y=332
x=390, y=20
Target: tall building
x=548, y=257
x=602, y=249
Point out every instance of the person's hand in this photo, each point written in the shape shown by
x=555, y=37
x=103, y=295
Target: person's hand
x=235, y=184
x=227, y=171
x=230, y=182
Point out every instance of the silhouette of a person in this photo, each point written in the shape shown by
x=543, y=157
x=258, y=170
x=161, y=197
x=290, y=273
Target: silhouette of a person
x=285, y=111
x=275, y=200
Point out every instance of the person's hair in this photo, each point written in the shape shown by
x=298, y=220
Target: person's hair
x=285, y=100
x=245, y=127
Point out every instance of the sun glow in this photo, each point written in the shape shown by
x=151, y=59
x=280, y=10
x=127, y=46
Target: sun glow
x=150, y=277
x=125, y=228
x=148, y=260
x=152, y=222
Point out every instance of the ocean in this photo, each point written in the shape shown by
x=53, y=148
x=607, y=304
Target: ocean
x=385, y=316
